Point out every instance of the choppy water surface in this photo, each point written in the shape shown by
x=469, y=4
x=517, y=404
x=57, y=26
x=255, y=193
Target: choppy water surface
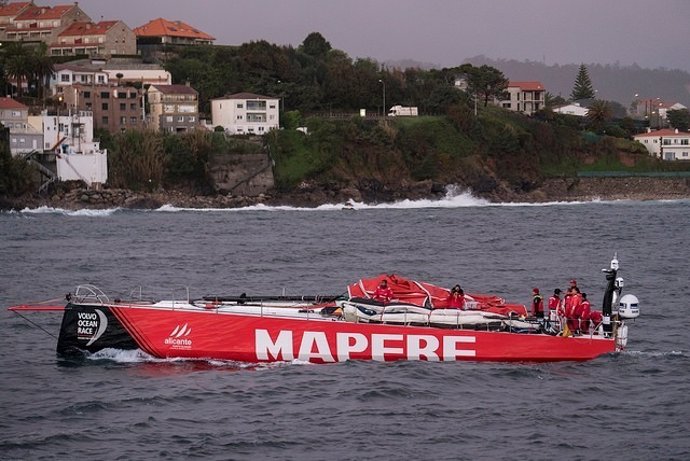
x=123, y=405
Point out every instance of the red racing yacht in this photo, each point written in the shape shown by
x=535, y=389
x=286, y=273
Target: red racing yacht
x=415, y=324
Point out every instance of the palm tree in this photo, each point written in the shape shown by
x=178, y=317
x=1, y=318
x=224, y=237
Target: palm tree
x=598, y=114
x=42, y=69
x=18, y=65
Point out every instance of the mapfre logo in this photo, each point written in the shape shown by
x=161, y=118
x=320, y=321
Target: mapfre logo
x=179, y=337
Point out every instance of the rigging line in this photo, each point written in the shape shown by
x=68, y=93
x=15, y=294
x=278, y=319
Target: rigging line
x=36, y=325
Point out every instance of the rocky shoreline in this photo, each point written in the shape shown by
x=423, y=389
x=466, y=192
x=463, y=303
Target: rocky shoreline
x=311, y=195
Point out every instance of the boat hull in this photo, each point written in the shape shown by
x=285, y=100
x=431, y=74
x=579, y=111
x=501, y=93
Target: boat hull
x=213, y=334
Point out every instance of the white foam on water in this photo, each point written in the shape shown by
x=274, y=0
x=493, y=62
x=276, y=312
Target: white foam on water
x=61, y=211
x=124, y=356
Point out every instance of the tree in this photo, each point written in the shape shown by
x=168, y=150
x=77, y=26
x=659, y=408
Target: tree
x=598, y=114
x=583, y=85
x=315, y=45
x=42, y=69
x=18, y=65
x=485, y=82
x=679, y=119
x=554, y=101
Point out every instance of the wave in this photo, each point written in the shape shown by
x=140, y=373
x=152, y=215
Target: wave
x=76, y=213
x=455, y=197
x=137, y=356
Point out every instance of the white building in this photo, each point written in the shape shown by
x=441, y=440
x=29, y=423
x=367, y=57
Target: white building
x=245, y=113
x=666, y=144
x=525, y=97
x=70, y=137
x=107, y=71
x=572, y=109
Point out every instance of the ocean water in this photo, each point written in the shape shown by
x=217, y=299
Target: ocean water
x=125, y=405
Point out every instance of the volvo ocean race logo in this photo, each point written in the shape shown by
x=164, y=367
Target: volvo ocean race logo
x=178, y=338
x=91, y=326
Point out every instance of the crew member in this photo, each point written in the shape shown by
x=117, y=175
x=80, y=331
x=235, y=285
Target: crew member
x=554, y=302
x=572, y=308
x=537, y=304
x=383, y=293
x=456, y=298
x=585, y=313
x=555, y=305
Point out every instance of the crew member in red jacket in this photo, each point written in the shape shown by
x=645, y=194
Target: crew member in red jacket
x=537, y=304
x=584, y=314
x=554, y=302
x=456, y=298
x=383, y=293
x=572, y=308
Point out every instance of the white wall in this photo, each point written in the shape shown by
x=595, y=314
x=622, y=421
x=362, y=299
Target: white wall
x=226, y=113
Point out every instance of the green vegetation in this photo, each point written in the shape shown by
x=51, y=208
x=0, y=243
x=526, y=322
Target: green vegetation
x=15, y=174
x=583, y=88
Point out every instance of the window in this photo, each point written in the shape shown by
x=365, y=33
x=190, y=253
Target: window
x=105, y=95
x=101, y=79
x=256, y=105
x=123, y=120
x=104, y=106
x=685, y=154
x=272, y=106
x=239, y=117
x=104, y=120
x=88, y=106
x=667, y=142
x=169, y=118
x=240, y=106
x=87, y=95
x=84, y=79
x=123, y=106
x=64, y=78
x=684, y=142
x=133, y=120
x=133, y=95
x=192, y=118
x=180, y=118
x=121, y=95
x=133, y=106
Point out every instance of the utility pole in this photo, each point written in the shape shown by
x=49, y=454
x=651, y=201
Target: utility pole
x=384, y=98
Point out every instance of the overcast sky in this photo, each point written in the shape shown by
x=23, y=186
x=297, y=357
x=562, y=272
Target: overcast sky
x=651, y=33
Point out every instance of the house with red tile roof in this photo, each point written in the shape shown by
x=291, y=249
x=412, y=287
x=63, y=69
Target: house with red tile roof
x=173, y=108
x=10, y=11
x=104, y=38
x=23, y=137
x=527, y=97
x=666, y=144
x=163, y=31
x=43, y=23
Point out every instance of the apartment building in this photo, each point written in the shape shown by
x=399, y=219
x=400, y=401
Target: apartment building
x=162, y=31
x=173, y=108
x=105, y=38
x=114, y=108
x=245, y=113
